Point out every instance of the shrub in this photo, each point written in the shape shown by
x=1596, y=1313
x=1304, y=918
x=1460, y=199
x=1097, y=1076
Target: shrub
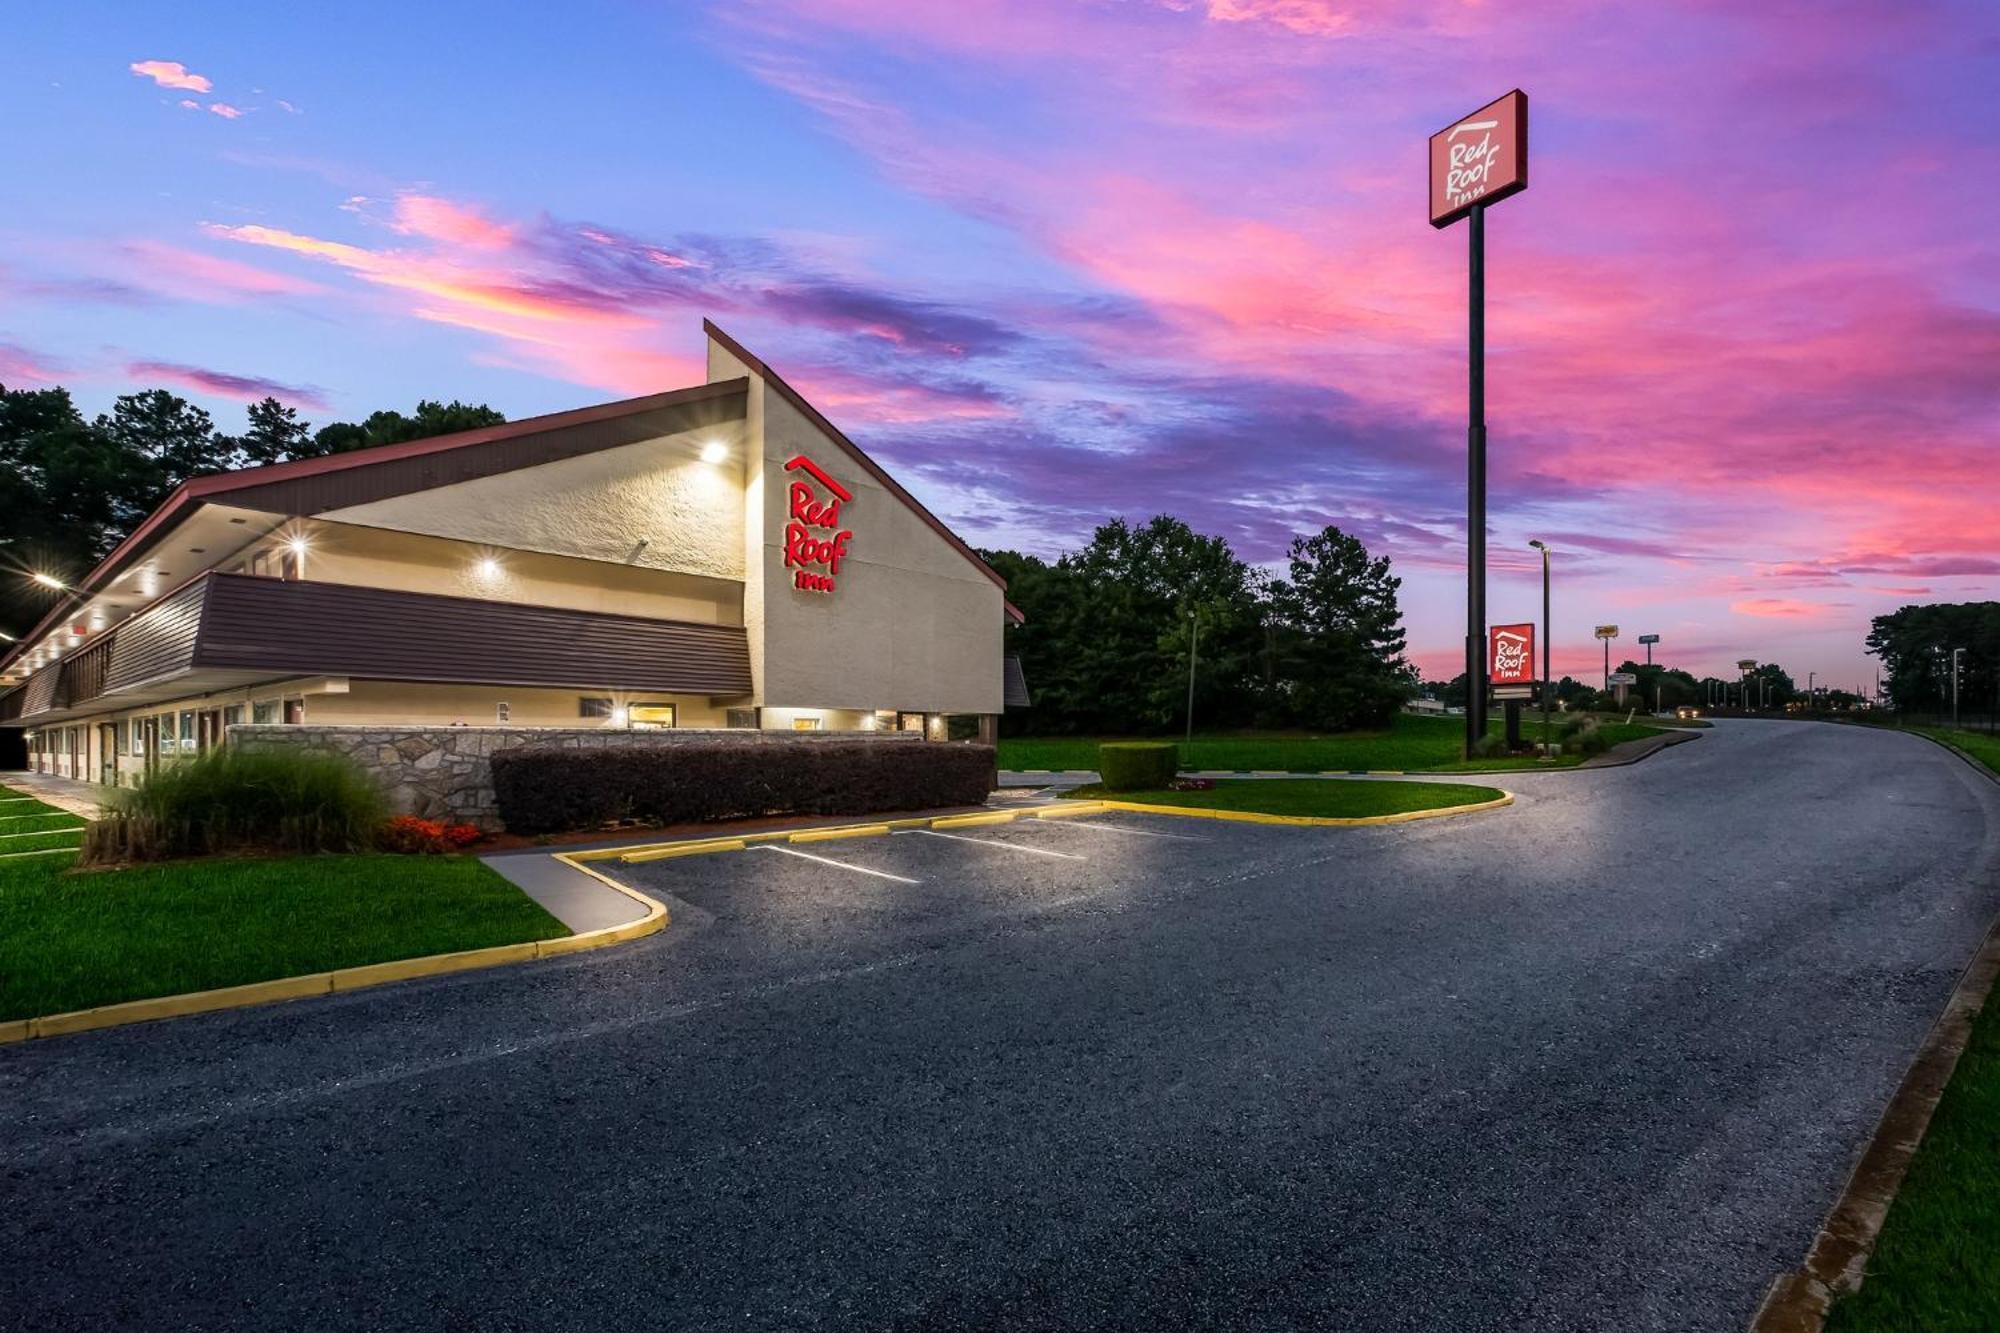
x=1137, y=765
x=1594, y=741
x=548, y=791
x=231, y=800
x=1489, y=747
x=411, y=836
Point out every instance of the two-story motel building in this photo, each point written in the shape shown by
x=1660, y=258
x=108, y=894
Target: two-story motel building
x=716, y=556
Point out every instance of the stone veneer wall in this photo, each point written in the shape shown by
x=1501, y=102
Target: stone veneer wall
x=446, y=772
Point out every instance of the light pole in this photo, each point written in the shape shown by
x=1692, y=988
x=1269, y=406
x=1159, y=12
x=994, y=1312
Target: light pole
x=1812, y=703
x=1548, y=680
x=1955, y=654
x=1194, y=645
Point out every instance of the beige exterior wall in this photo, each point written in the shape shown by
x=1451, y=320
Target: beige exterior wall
x=376, y=558
x=912, y=624
x=340, y=701
x=653, y=504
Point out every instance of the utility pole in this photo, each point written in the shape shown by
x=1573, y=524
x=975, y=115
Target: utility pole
x=1194, y=646
x=1548, y=680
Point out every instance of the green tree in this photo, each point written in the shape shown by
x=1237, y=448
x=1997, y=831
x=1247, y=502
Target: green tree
x=276, y=435
x=1340, y=634
x=389, y=427
x=1915, y=644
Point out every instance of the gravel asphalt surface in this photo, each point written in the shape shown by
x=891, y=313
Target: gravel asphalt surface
x=1598, y=1061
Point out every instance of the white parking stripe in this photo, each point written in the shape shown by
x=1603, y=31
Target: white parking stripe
x=828, y=861
x=1120, y=828
x=989, y=842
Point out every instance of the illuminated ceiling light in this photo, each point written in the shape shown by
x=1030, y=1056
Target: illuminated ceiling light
x=715, y=451
x=297, y=545
x=8, y=637
x=49, y=581
x=488, y=568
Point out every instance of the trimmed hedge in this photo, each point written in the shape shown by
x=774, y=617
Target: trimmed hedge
x=553, y=791
x=1137, y=765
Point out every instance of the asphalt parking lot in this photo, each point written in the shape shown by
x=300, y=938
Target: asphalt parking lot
x=1600, y=1060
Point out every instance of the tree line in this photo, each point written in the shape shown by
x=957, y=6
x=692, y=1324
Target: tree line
x=72, y=487
x=1915, y=644
x=1112, y=630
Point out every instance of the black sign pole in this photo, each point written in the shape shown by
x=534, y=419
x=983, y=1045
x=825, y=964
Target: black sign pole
x=1475, y=500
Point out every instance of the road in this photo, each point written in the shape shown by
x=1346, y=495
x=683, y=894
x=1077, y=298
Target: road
x=1598, y=1061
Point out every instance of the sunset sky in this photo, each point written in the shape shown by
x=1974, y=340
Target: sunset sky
x=1056, y=262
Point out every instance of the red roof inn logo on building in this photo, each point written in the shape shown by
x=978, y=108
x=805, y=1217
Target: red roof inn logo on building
x=1510, y=654
x=814, y=539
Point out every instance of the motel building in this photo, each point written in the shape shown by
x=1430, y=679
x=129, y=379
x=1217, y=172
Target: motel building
x=716, y=556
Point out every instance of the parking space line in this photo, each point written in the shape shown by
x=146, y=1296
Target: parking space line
x=990, y=842
x=1135, y=832
x=829, y=861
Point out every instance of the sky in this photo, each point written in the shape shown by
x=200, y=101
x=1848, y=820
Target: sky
x=1058, y=262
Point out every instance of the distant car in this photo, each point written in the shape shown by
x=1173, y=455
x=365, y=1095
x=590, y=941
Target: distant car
x=1687, y=712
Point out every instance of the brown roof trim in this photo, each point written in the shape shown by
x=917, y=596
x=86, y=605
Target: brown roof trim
x=868, y=465
x=219, y=485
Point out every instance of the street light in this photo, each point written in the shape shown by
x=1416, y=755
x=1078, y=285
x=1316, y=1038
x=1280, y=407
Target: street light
x=1955, y=654
x=1548, y=679
x=1194, y=644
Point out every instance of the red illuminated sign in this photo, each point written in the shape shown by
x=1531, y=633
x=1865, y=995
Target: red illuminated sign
x=814, y=539
x=1480, y=160
x=1510, y=654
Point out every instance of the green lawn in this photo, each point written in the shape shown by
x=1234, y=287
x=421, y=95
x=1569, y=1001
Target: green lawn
x=1410, y=744
x=1936, y=1268
x=72, y=940
x=30, y=825
x=1322, y=798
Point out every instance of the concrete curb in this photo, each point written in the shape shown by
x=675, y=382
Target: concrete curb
x=342, y=979
x=1837, y=1263
x=639, y=855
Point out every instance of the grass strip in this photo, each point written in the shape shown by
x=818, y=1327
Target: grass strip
x=76, y=939
x=1319, y=798
x=1411, y=743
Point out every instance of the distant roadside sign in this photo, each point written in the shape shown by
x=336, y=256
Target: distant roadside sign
x=1649, y=638
x=1623, y=678
x=1746, y=664
x=1607, y=631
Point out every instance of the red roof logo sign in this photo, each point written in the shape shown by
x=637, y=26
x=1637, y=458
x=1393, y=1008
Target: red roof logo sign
x=1511, y=654
x=815, y=542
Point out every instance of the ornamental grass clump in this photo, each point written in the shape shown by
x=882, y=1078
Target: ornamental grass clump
x=231, y=800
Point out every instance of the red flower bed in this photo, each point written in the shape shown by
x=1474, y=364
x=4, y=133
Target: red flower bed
x=423, y=837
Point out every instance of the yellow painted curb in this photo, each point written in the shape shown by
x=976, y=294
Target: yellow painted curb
x=976, y=821
x=1069, y=808
x=664, y=853
x=1309, y=821
x=346, y=978
x=835, y=834
x=1385, y=772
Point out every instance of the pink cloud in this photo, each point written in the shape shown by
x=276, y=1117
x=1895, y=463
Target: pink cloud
x=170, y=74
x=19, y=366
x=442, y=220
x=243, y=388
x=226, y=111
x=1782, y=606
x=187, y=274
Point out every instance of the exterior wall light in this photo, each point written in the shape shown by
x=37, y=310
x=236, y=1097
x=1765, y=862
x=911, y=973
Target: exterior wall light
x=488, y=568
x=620, y=716
x=49, y=581
x=715, y=451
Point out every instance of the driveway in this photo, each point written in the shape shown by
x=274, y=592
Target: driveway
x=1597, y=1061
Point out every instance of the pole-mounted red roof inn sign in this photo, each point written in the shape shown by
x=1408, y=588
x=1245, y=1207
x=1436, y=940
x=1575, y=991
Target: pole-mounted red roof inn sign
x=1510, y=654
x=806, y=554
x=1479, y=160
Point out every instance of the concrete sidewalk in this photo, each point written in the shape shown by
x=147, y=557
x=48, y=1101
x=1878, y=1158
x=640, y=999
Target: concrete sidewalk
x=85, y=799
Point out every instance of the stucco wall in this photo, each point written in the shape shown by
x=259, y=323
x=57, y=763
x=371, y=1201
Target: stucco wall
x=912, y=624
x=447, y=772
x=602, y=505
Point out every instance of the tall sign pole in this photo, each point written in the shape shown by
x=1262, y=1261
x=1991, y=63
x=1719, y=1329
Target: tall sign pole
x=1475, y=161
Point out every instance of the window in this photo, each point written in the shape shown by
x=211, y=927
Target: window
x=138, y=728
x=263, y=712
x=650, y=717
x=593, y=708
x=805, y=724
x=295, y=712
x=169, y=743
x=232, y=715
x=742, y=717
x=187, y=733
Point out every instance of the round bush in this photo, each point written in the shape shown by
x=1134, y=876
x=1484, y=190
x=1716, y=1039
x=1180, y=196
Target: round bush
x=1137, y=765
